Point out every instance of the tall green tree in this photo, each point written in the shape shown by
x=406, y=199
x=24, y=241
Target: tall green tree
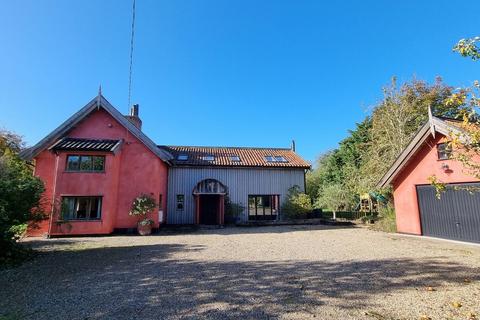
x=335, y=197
x=20, y=195
x=369, y=150
x=403, y=110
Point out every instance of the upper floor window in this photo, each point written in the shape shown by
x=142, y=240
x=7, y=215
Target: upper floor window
x=235, y=158
x=208, y=158
x=81, y=208
x=85, y=163
x=444, y=151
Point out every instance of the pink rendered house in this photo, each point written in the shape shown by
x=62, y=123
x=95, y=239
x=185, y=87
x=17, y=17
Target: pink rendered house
x=95, y=152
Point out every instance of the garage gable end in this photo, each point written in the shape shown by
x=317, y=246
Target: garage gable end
x=434, y=124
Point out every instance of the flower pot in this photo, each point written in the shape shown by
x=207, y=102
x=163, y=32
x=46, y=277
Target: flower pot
x=144, y=229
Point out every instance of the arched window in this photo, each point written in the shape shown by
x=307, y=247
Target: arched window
x=210, y=186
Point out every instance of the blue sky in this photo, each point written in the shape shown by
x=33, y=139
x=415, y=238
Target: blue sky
x=227, y=73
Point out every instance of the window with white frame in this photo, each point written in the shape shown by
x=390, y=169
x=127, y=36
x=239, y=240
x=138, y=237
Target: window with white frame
x=444, y=151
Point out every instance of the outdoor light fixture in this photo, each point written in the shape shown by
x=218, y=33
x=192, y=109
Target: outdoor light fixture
x=445, y=167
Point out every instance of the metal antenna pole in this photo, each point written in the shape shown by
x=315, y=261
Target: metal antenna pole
x=131, y=57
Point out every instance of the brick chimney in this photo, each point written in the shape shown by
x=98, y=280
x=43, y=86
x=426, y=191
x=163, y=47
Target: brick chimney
x=134, y=118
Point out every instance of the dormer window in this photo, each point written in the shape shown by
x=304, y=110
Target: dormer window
x=182, y=157
x=235, y=158
x=208, y=158
x=444, y=151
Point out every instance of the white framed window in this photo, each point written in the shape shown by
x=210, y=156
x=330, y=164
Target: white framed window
x=444, y=151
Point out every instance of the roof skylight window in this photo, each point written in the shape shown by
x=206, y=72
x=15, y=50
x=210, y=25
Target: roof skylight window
x=280, y=159
x=182, y=157
x=208, y=158
x=276, y=159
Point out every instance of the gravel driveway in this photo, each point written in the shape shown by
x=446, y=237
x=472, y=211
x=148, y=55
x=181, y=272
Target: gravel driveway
x=288, y=272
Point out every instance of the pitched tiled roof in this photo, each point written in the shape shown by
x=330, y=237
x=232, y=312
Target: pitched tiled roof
x=86, y=145
x=95, y=104
x=249, y=157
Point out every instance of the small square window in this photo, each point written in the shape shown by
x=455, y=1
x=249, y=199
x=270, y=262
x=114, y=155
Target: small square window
x=235, y=158
x=208, y=158
x=444, y=151
x=182, y=157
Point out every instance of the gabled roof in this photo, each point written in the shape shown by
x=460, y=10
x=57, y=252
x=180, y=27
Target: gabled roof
x=222, y=157
x=75, y=144
x=95, y=104
x=444, y=126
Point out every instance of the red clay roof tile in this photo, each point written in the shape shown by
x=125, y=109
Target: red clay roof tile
x=249, y=157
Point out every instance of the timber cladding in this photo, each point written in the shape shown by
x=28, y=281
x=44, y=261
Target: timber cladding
x=240, y=183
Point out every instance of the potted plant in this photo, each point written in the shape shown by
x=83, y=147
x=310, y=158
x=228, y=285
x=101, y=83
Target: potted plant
x=142, y=206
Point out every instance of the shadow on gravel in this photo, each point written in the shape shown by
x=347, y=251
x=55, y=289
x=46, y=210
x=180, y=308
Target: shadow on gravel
x=233, y=230
x=145, y=282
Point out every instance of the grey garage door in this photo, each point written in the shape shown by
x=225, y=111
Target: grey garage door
x=456, y=215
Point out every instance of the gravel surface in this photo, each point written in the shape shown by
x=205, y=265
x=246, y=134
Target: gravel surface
x=288, y=272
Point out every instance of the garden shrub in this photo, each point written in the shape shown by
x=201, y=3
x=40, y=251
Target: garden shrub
x=20, y=198
x=386, y=219
x=232, y=210
x=297, y=205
